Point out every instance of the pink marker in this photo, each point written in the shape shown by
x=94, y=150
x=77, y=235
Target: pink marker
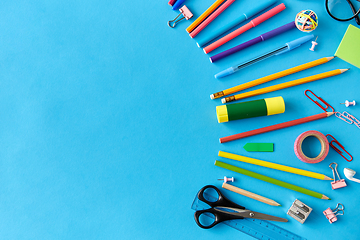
x=253, y=23
x=211, y=18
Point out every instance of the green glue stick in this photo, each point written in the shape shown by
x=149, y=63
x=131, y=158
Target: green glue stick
x=257, y=108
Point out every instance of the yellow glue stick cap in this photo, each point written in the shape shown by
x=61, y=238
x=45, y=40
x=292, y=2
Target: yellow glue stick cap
x=275, y=105
x=222, y=113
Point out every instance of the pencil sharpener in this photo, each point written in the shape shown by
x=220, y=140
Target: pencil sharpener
x=299, y=211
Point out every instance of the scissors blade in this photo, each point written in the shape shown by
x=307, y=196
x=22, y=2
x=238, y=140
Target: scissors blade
x=251, y=214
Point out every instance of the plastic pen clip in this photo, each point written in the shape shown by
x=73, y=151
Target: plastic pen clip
x=296, y=43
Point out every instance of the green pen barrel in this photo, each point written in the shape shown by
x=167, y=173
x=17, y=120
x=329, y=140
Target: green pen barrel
x=250, y=109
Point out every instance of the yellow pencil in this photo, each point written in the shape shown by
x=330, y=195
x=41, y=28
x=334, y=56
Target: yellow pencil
x=204, y=15
x=271, y=77
x=250, y=195
x=273, y=166
x=283, y=85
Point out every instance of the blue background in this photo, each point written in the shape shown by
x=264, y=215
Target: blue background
x=108, y=131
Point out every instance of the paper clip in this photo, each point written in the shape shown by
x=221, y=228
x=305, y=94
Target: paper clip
x=317, y=103
x=331, y=214
x=337, y=183
x=351, y=117
x=331, y=143
x=183, y=11
x=344, y=116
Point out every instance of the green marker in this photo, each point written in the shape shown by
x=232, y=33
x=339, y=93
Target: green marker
x=257, y=108
x=259, y=147
x=271, y=180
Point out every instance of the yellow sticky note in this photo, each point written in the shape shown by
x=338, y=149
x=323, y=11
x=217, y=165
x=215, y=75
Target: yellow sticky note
x=349, y=48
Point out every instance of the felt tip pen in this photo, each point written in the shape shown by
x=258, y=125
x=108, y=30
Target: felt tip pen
x=178, y=4
x=286, y=48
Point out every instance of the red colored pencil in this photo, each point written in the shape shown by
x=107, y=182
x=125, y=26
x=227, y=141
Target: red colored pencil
x=275, y=127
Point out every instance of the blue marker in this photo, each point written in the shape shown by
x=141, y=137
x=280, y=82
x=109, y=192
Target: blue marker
x=178, y=4
x=203, y=40
x=288, y=46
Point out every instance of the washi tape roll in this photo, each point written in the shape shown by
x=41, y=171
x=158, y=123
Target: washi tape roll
x=324, y=147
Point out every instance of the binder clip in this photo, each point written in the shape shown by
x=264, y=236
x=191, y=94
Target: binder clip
x=336, y=183
x=331, y=214
x=186, y=15
x=299, y=211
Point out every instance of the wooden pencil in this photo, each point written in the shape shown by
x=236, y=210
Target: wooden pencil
x=283, y=85
x=271, y=180
x=271, y=77
x=272, y=165
x=204, y=15
x=250, y=194
x=276, y=127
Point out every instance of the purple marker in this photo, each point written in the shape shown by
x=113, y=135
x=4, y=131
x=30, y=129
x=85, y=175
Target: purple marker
x=251, y=42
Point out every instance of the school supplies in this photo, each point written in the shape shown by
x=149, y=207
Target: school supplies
x=348, y=118
x=186, y=15
x=253, y=23
x=271, y=180
x=273, y=165
x=286, y=48
x=284, y=85
x=204, y=39
x=340, y=183
x=253, y=41
x=349, y=174
x=211, y=18
x=177, y=4
x=271, y=77
x=306, y=21
x=223, y=210
x=324, y=147
x=340, y=151
x=299, y=211
x=259, y=147
x=226, y=179
x=204, y=15
x=349, y=48
x=331, y=214
x=256, y=108
x=250, y=195
x=347, y=103
x=171, y=2
x=313, y=44
x=258, y=229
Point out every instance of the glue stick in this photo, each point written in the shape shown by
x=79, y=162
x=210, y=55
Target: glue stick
x=257, y=108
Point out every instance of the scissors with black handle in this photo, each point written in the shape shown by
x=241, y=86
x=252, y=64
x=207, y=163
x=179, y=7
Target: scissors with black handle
x=219, y=207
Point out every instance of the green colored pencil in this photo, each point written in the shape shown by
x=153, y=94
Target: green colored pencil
x=271, y=180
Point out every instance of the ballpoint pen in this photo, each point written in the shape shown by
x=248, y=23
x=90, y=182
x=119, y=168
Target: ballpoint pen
x=286, y=48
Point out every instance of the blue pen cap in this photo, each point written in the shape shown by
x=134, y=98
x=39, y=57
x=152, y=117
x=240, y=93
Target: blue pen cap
x=225, y=73
x=296, y=43
x=259, y=8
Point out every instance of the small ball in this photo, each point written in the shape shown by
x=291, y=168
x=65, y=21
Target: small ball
x=306, y=20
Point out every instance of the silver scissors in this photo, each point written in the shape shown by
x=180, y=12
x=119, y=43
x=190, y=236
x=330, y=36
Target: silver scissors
x=223, y=210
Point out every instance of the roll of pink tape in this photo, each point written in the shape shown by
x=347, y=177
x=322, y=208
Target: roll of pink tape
x=324, y=147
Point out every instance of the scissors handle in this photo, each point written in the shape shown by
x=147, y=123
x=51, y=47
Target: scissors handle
x=221, y=201
x=219, y=217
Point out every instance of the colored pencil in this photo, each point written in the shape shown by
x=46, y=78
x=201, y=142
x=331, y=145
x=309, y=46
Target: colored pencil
x=211, y=18
x=204, y=15
x=273, y=166
x=271, y=77
x=283, y=85
x=275, y=127
x=271, y=180
x=250, y=194
x=253, y=23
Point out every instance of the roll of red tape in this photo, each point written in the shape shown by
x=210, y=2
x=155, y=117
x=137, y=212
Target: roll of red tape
x=324, y=147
